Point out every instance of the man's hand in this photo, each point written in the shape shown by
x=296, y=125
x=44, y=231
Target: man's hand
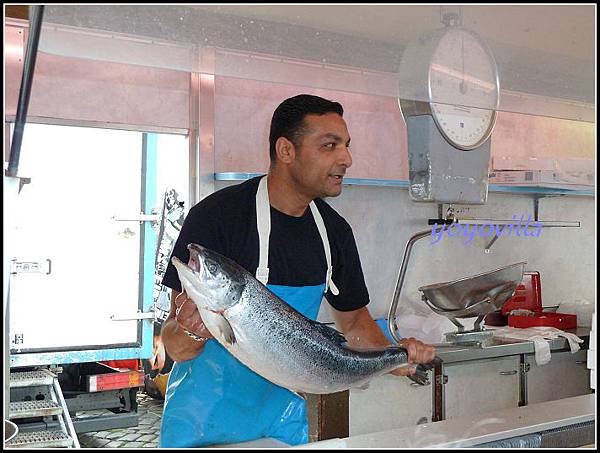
x=179, y=332
x=188, y=316
x=418, y=352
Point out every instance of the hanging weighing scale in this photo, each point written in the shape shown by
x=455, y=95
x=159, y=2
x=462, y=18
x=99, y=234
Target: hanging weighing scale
x=449, y=94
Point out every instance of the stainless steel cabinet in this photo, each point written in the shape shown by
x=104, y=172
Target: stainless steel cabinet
x=389, y=402
x=481, y=386
x=566, y=375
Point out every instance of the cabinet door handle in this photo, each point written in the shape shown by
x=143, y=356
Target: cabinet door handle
x=508, y=373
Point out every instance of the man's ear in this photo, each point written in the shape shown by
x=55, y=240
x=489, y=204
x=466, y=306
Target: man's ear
x=285, y=150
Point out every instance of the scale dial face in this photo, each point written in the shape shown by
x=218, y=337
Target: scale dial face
x=463, y=88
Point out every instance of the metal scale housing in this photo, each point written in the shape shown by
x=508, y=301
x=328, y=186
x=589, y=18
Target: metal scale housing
x=438, y=171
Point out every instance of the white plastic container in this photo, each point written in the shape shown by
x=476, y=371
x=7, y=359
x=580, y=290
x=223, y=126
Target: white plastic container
x=584, y=310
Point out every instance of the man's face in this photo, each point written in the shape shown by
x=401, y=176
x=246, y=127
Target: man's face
x=323, y=156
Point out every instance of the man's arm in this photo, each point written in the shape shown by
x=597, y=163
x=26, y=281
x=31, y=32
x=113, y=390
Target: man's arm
x=183, y=314
x=361, y=331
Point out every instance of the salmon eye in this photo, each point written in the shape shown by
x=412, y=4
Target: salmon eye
x=211, y=268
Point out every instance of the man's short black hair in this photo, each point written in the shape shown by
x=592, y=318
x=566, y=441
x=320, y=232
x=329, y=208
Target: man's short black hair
x=288, y=118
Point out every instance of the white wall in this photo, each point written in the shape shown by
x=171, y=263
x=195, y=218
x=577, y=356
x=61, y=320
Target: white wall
x=383, y=219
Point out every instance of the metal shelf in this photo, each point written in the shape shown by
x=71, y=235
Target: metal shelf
x=236, y=176
x=540, y=190
x=543, y=223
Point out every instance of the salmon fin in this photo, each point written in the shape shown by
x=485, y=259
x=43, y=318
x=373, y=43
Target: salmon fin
x=428, y=366
x=396, y=347
x=420, y=377
x=364, y=386
x=224, y=330
x=299, y=395
x=334, y=335
x=377, y=349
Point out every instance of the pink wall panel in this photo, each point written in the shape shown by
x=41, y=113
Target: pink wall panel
x=75, y=89
x=79, y=90
x=517, y=135
x=243, y=111
x=14, y=37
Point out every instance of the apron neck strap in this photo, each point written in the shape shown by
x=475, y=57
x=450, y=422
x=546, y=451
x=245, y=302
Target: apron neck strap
x=263, y=224
x=323, y=232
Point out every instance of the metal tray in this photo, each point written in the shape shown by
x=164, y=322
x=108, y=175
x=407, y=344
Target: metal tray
x=474, y=296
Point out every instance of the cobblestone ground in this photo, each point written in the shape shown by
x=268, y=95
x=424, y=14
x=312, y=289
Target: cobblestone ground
x=145, y=435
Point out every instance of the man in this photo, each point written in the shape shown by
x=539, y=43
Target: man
x=211, y=397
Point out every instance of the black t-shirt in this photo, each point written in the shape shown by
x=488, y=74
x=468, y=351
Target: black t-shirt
x=225, y=222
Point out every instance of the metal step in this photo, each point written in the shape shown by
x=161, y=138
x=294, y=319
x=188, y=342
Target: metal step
x=31, y=378
x=40, y=439
x=43, y=408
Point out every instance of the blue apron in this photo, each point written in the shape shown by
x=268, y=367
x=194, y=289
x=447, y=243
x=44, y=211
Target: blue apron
x=215, y=399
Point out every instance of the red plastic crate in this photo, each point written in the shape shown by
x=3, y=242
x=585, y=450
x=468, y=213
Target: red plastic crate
x=131, y=364
x=562, y=321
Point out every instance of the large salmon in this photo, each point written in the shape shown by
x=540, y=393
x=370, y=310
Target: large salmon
x=272, y=338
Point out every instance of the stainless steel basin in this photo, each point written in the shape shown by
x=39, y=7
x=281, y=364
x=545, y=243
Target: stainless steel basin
x=474, y=296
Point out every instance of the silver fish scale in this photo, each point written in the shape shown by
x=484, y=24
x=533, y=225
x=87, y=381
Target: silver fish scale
x=282, y=345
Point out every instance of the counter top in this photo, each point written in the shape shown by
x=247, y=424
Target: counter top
x=475, y=429
x=500, y=347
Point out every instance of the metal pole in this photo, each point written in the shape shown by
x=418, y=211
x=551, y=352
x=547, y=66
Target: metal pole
x=392, y=325
x=35, y=25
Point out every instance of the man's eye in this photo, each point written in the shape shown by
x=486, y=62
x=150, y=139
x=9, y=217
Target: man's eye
x=329, y=145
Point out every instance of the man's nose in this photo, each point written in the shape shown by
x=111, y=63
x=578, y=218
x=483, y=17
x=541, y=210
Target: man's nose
x=346, y=157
